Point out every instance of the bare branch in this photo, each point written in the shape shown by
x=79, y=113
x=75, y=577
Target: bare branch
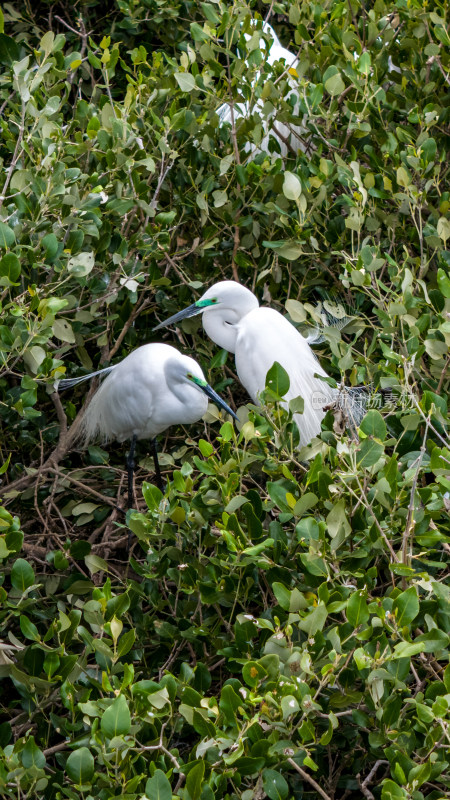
x=309, y=779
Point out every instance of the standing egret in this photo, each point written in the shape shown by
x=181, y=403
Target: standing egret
x=289, y=137
x=152, y=388
x=233, y=319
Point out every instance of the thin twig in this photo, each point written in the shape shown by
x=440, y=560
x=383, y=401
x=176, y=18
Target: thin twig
x=309, y=779
x=56, y=748
x=108, y=500
x=443, y=374
x=145, y=301
x=363, y=786
x=410, y=518
x=16, y=155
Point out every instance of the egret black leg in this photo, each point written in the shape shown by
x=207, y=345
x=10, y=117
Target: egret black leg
x=130, y=468
x=159, y=480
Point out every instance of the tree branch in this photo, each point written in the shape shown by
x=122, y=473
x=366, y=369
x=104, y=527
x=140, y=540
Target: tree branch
x=310, y=779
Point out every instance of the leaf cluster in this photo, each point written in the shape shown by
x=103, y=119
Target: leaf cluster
x=282, y=623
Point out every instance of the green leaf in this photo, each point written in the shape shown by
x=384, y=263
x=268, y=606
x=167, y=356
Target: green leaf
x=194, y=780
x=126, y=642
x=403, y=177
x=116, y=720
x=9, y=51
x=93, y=562
x=307, y=501
x=282, y=595
x=292, y=187
x=368, y=454
x=253, y=673
x=443, y=230
x=374, y=425
x=5, y=465
x=335, y=85
x=357, y=611
x=185, y=81
x=7, y=237
x=277, y=379
x=62, y=330
x=296, y=310
x=31, y=755
x=50, y=243
x=289, y=705
x=443, y=282
x=391, y=791
x=9, y=269
x=29, y=629
x=47, y=42
x=22, y=575
x=152, y=496
x=337, y=522
x=210, y=13
x=51, y=664
x=80, y=766
x=277, y=493
x=315, y=620
x=433, y=641
x=275, y=786
x=297, y=405
x=406, y=607
x=290, y=250
x=158, y=787
x=205, y=447
x=81, y=265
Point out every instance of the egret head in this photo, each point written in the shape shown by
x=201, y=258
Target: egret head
x=223, y=305
x=184, y=372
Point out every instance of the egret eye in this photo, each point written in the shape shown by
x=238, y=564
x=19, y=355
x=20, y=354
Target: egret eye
x=214, y=300
x=189, y=375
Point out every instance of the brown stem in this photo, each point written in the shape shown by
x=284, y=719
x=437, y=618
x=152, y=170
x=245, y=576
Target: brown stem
x=410, y=518
x=145, y=301
x=235, y=249
x=443, y=374
x=16, y=155
x=108, y=500
x=233, y=121
x=363, y=786
x=309, y=779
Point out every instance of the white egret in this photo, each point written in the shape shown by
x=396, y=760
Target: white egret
x=152, y=388
x=290, y=137
x=233, y=319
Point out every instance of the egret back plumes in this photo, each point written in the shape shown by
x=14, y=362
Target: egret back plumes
x=152, y=388
x=258, y=337
x=290, y=137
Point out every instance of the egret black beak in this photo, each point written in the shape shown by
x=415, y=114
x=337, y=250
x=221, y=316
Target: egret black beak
x=209, y=391
x=190, y=311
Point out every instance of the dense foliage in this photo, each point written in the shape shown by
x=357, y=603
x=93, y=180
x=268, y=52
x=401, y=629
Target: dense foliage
x=281, y=626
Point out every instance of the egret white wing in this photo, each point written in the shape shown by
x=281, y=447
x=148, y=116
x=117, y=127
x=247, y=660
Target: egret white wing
x=266, y=336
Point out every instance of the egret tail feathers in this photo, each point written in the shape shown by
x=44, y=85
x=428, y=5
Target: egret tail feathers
x=68, y=383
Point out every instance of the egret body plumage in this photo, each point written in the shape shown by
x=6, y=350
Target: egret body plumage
x=258, y=336
x=154, y=387
x=290, y=137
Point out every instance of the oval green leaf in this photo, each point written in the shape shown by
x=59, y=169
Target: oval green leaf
x=80, y=766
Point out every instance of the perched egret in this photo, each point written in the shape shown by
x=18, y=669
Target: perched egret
x=152, y=388
x=290, y=137
x=257, y=336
